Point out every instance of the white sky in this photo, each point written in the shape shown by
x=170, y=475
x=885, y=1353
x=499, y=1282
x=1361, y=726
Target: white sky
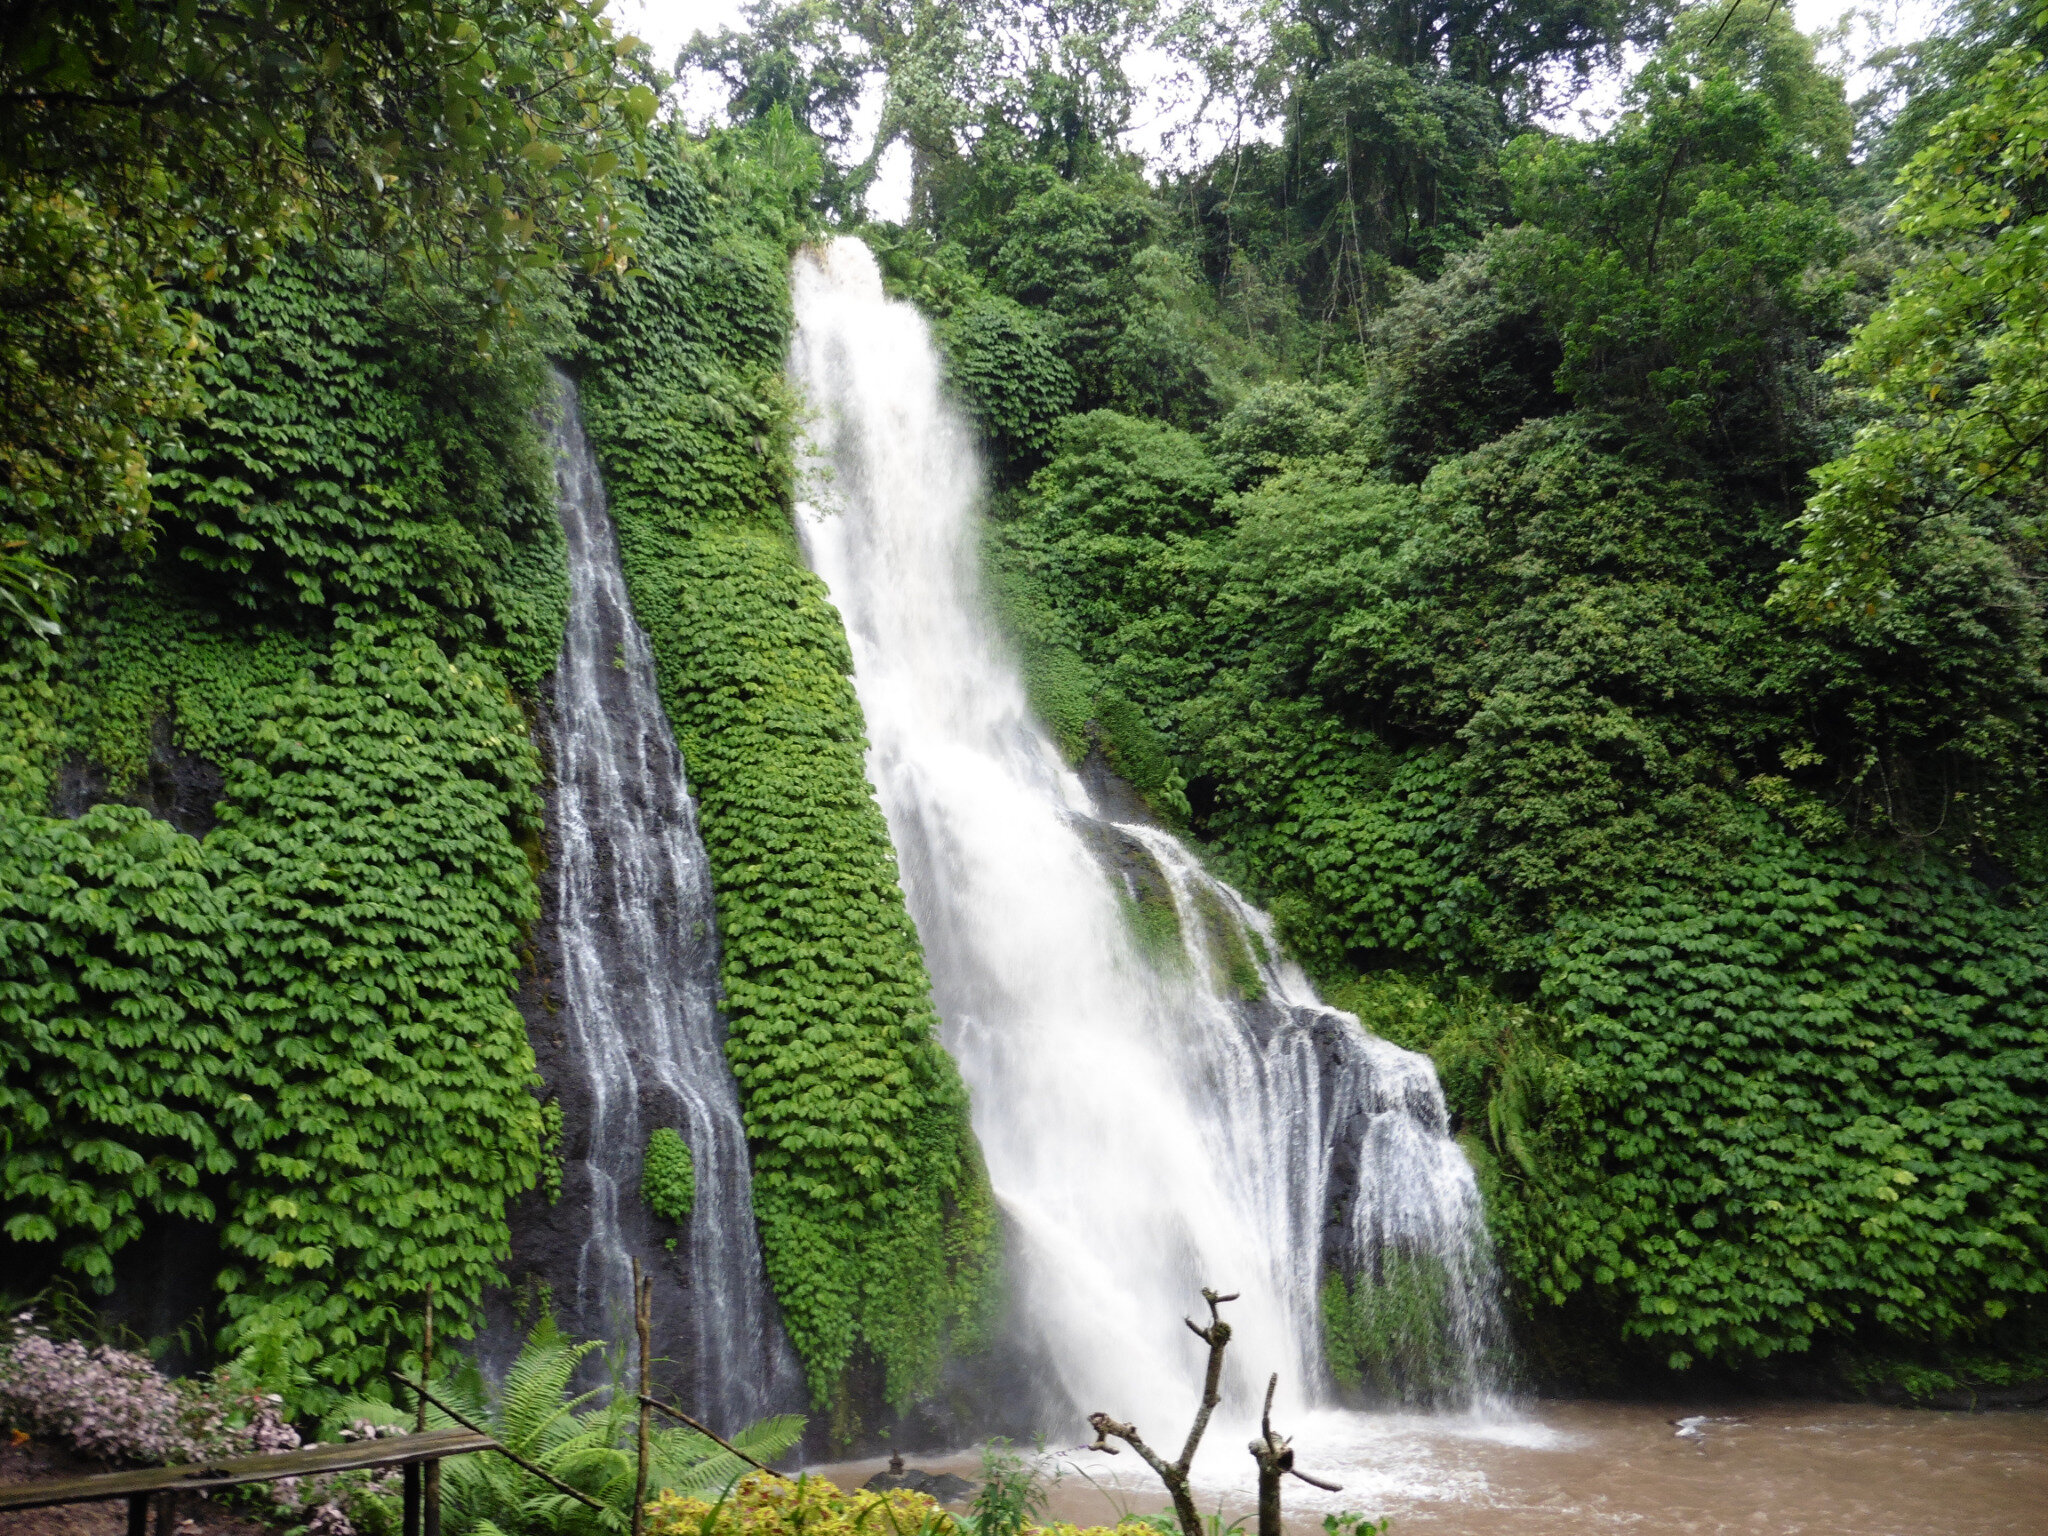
x=668, y=24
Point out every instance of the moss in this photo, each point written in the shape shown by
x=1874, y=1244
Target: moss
x=1230, y=952
x=1390, y=1334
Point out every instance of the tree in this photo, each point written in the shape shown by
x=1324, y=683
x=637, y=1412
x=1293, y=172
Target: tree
x=1684, y=256
x=1509, y=51
x=799, y=57
x=1954, y=366
x=153, y=147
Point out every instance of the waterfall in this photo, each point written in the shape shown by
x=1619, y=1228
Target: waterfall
x=1157, y=1115
x=643, y=1038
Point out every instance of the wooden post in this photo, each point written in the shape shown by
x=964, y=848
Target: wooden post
x=138, y=1514
x=1175, y=1473
x=431, y=1474
x=415, y=1476
x=643, y=1321
x=1275, y=1456
x=167, y=1514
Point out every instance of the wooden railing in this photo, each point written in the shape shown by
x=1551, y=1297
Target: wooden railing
x=166, y=1484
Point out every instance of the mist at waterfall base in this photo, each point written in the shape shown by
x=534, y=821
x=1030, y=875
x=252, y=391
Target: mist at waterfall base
x=1155, y=1118
x=629, y=1036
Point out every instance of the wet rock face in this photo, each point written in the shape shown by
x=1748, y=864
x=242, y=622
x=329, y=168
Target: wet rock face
x=176, y=786
x=547, y=1268
x=1113, y=795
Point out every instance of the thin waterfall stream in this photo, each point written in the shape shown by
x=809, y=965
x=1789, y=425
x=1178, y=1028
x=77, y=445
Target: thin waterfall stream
x=1154, y=1120
x=639, y=977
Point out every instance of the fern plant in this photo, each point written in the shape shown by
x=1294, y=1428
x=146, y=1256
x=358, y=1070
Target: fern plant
x=584, y=1439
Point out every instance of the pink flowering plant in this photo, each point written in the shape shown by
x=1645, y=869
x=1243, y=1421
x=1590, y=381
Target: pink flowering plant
x=114, y=1405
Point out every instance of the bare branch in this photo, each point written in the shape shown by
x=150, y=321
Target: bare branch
x=1275, y=1456
x=1175, y=1473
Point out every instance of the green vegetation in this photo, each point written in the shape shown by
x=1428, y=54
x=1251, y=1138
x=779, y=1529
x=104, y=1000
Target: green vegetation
x=300, y=1029
x=575, y=1438
x=306, y=610
x=156, y=154
x=270, y=993
x=1392, y=1332
x=876, y=1222
x=668, y=1177
x=1587, y=587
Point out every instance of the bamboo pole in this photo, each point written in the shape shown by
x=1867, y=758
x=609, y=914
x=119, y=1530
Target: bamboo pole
x=643, y=1319
x=710, y=1434
x=431, y=1474
x=497, y=1445
x=415, y=1482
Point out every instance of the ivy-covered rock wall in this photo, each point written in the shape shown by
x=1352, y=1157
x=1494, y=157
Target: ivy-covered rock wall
x=295, y=1029
x=876, y=1221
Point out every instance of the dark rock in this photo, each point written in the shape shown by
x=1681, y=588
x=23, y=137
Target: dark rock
x=1112, y=794
x=176, y=786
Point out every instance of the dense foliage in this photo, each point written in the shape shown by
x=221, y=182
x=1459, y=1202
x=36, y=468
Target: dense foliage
x=1401, y=502
x=1586, y=585
x=876, y=1222
x=668, y=1176
x=280, y=1007
x=155, y=150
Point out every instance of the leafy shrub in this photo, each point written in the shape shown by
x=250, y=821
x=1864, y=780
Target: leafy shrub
x=760, y=1505
x=109, y=1404
x=1281, y=422
x=1067, y=250
x=1012, y=1495
x=1001, y=359
x=668, y=1177
x=1464, y=360
x=113, y=1405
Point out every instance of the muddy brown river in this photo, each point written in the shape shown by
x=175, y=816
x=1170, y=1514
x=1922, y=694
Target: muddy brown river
x=1585, y=1469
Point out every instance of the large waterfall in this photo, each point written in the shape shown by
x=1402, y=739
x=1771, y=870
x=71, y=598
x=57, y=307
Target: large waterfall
x=1153, y=1122
x=638, y=962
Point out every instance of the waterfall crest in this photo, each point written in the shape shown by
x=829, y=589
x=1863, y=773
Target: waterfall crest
x=645, y=1043
x=1156, y=1116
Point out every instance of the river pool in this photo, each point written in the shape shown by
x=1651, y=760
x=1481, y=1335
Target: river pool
x=1578, y=1468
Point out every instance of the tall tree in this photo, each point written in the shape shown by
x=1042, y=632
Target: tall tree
x=148, y=146
x=1954, y=366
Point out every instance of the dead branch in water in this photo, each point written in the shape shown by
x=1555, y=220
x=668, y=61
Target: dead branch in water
x=1175, y=1473
x=1275, y=1456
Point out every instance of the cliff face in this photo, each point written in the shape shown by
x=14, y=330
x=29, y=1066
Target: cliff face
x=281, y=806
x=877, y=1227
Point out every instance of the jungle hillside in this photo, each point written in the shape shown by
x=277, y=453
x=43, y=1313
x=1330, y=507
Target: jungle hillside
x=1582, y=579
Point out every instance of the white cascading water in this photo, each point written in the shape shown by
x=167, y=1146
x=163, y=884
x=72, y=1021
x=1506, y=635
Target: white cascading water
x=1151, y=1126
x=639, y=964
